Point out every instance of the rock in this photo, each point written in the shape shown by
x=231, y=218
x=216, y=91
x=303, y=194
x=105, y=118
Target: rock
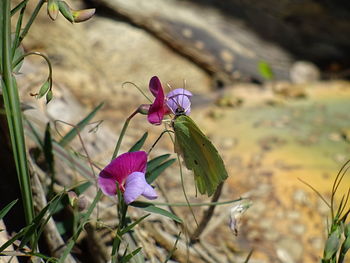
x=304, y=72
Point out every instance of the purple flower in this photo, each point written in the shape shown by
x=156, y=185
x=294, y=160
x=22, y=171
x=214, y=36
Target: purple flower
x=129, y=171
x=176, y=101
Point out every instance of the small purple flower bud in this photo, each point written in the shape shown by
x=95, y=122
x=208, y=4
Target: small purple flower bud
x=82, y=15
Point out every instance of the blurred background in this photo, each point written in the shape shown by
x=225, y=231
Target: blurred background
x=271, y=90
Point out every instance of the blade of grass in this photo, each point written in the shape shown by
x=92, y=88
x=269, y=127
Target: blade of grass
x=156, y=161
x=7, y=208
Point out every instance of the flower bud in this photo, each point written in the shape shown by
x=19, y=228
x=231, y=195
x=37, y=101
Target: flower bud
x=83, y=15
x=143, y=109
x=82, y=203
x=73, y=198
x=52, y=9
x=65, y=11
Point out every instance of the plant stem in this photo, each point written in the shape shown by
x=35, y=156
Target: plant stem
x=30, y=21
x=122, y=133
x=14, y=115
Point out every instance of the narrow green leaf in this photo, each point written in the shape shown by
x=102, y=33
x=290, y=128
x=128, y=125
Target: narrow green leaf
x=131, y=255
x=131, y=226
x=49, y=158
x=265, y=70
x=82, y=187
x=19, y=52
x=156, y=161
x=66, y=11
x=156, y=210
x=15, y=237
x=49, y=96
x=80, y=126
x=44, y=89
x=138, y=145
x=7, y=208
x=153, y=175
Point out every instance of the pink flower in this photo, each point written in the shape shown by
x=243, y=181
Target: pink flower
x=176, y=101
x=129, y=171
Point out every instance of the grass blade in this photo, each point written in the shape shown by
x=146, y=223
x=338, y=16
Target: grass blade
x=156, y=210
x=7, y=208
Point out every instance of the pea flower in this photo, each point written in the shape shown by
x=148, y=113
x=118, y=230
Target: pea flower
x=129, y=171
x=176, y=101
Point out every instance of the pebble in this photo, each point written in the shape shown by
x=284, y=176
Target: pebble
x=301, y=197
x=304, y=72
x=289, y=250
x=298, y=229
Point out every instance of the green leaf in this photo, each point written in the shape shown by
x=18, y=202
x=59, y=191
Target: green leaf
x=66, y=11
x=7, y=208
x=49, y=158
x=19, y=52
x=49, y=96
x=15, y=237
x=156, y=161
x=131, y=226
x=44, y=89
x=156, y=210
x=82, y=187
x=131, y=255
x=332, y=245
x=151, y=176
x=265, y=70
x=138, y=145
x=80, y=126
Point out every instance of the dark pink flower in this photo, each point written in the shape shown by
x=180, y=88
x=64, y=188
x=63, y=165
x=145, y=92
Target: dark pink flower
x=129, y=171
x=176, y=101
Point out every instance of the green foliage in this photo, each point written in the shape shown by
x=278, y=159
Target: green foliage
x=153, y=209
x=7, y=208
x=138, y=145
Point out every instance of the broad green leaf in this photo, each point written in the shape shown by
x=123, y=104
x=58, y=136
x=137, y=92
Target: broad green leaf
x=80, y=126
x=152, y=175
x=7, y=208
x=156, y=210
x=138, y=145
x=156, y=161
x=332, y=245
x=265, y=70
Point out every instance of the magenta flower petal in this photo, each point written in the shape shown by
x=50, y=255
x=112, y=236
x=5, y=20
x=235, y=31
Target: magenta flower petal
x=155, y=85
x=135, y=186
x=107, y=185
x=157, y=109
x=178, y=100
x=119, y=169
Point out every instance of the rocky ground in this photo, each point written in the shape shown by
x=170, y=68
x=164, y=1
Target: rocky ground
x=271, y=136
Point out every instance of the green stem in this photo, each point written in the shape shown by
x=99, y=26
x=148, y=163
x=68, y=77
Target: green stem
x=122, y=133
x=30, y=21
x=14, y=115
